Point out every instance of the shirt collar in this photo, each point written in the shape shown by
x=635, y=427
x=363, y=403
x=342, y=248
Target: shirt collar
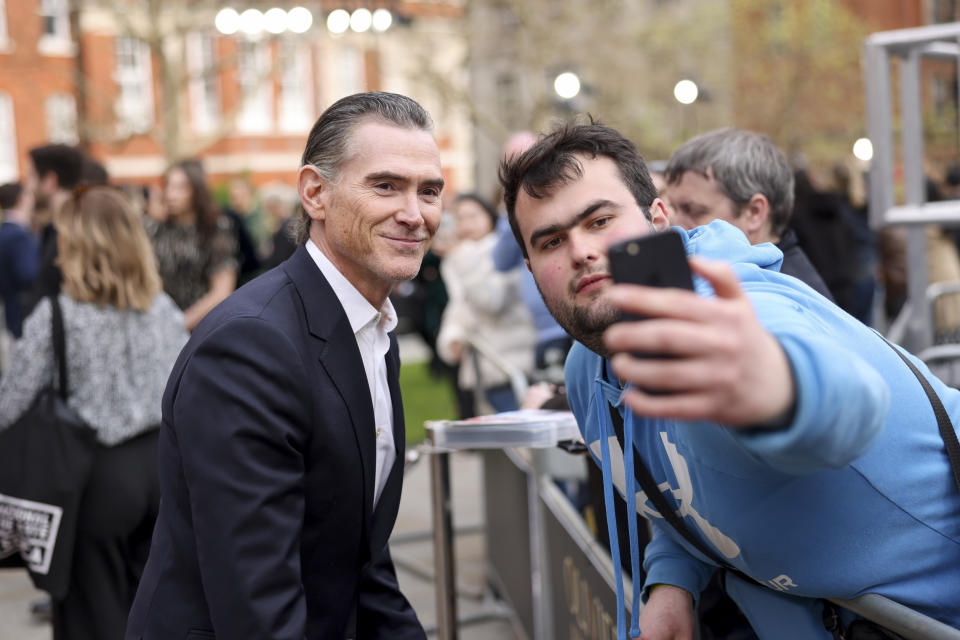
x=360, y=312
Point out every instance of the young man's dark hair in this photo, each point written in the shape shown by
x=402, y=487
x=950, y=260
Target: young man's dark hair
x=553, y=161
x=328, y=145
x=63, y=160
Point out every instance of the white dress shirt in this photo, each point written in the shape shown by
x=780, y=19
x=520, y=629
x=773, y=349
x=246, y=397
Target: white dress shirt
x=370, y=327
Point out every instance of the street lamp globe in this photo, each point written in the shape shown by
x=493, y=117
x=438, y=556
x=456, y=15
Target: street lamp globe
x=251, y=22
x=338, y=21
x=382, y=19
x=360, y=20
x=227, y=21
x=686, y=91
x=299, y=20
x=863, y=149
x=275, y=21
x=567, y=85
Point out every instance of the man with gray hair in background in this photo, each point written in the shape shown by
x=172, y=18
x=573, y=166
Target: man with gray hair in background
x=282, y=441
x=741, y=177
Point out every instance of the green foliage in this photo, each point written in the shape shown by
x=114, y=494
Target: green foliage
x=424, y=398
x=788, y=68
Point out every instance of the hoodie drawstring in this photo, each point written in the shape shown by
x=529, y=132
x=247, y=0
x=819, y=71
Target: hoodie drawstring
x=603, y=421
x=631, y=497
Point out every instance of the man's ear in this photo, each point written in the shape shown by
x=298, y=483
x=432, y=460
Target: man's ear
x=756, y=218
x=526, y=261
x=313, y=189
x=658, y=215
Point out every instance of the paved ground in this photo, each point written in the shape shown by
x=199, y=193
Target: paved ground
x=412, y=549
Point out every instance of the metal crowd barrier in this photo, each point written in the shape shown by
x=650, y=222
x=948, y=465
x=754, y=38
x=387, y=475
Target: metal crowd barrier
x=564, y=562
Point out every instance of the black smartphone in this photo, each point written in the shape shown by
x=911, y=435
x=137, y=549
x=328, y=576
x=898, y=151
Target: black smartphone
x=654, y=260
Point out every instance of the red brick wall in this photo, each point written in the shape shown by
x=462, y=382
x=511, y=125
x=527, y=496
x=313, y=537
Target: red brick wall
x=30, y=77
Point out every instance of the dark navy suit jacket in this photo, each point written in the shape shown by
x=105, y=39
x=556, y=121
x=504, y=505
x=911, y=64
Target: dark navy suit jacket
x=267, y=458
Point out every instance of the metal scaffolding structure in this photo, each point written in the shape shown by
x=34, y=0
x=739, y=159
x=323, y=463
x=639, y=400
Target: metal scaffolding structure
x=909, y=47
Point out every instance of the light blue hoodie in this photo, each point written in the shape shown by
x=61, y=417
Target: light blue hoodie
x=854, y=497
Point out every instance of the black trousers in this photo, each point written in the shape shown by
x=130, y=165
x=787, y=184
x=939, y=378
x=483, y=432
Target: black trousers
x=116, y=521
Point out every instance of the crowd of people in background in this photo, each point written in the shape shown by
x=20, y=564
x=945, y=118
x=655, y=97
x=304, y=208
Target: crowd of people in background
x=133, y=271
x=137, y=268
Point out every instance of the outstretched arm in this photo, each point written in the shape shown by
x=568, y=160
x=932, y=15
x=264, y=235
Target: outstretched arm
x=790, y=391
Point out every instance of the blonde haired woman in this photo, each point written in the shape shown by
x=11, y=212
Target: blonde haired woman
x=123, y=335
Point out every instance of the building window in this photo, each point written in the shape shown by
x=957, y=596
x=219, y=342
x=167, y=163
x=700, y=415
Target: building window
x=349, y=71
x=204, y=82
x=256, y=90
x=55, y=28
x=4, y=34
x=9, y=172
x=134, y=107
x=296, y=87
x=61, y=112
x=943, y=11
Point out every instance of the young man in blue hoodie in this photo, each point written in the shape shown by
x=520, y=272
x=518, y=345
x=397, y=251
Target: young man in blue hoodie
x=789, y=438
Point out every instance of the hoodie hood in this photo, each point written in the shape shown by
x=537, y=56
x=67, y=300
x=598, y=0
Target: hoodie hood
x=720, y=240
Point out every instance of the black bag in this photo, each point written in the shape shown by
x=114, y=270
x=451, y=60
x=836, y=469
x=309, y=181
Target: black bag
x=45, y=461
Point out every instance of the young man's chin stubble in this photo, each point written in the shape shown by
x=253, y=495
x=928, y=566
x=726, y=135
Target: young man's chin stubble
x=585, y=324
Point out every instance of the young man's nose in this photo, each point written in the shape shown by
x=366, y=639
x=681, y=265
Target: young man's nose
x=583, y=250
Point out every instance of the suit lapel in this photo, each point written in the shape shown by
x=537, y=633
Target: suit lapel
x=389, y=504
x=340, y=358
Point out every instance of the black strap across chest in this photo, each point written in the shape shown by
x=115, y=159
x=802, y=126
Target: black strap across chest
x=943, y=420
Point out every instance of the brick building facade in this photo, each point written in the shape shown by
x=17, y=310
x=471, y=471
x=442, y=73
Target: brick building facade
x=245, y=105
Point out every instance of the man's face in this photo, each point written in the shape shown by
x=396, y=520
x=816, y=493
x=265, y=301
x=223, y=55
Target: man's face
x=698, y=200
x=375, y=220
x=567, y=235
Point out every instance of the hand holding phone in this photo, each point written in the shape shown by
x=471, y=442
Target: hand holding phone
x=654, y=260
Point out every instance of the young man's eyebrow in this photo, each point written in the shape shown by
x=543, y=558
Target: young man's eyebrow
x=549, y=230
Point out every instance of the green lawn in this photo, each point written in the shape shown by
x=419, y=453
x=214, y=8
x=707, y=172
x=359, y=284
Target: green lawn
x=424, y=398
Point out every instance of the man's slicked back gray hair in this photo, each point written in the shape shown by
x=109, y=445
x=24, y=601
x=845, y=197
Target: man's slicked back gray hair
x=743, y=163
x=329, y=140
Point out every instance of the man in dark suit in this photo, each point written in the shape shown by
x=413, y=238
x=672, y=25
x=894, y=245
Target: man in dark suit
x=281, y=449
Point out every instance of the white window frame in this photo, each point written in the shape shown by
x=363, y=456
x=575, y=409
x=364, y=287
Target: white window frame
x=59, y=42
x=4, y=32
x=296, y=87
x=350, y=71
x=204, y=87
x=133, y=74
x=60, y=111
x=9, y=169
x=256, y=87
